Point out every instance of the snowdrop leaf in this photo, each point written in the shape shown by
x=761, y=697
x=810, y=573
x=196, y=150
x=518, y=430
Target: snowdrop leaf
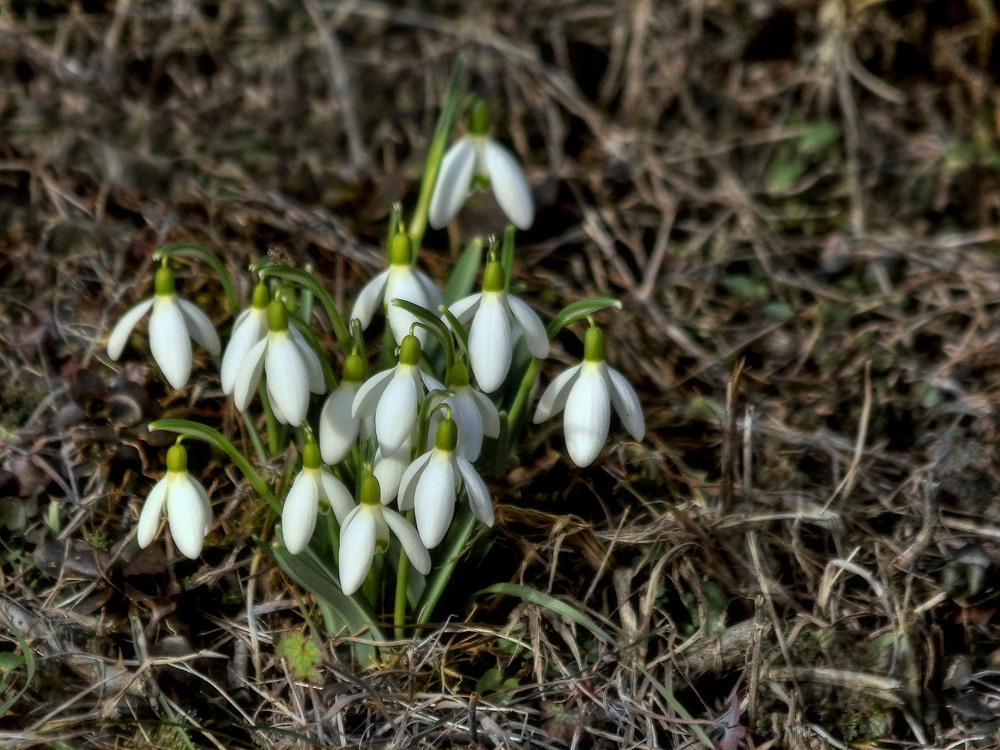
x=463, y=275
x=578, y=310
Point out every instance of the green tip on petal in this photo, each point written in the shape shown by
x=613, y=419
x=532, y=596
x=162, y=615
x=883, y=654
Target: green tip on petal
x=371, y=492
x=458, y=375
x=493, y=277
x=177, y=458
x=310, y=456
x=447, y=435
x=164, y=283
x=401, y=250
x=593, y=345
x=409, y=350
x=354, y=369
x=478, y=118
x=260, y=296
x=277, y=316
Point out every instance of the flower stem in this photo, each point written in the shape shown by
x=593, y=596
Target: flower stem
x=273, y=438
x=402, y=581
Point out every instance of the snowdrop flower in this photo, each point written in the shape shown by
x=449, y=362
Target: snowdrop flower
x=366, y=529
x=475, y=415
x=313, y=484
x=249, y=329
x=189, y=511
x=338, y=429
x=431, y=484
x=291, y=366
x=478, y=156
x=584, y=391
x=389, y=468
x=495, y=314
x=172, y=325
x=393, y=397
x=401, y=280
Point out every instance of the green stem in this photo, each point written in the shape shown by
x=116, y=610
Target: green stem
x=215, y=438
x=255, y=438
x=308, y=282
x=402, y=581
x=273, y=431
x=516, y=416
x=435, y=153
x=200, y=252
x=458, y=537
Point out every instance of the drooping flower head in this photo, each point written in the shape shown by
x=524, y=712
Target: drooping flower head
x=366, y=529
x=189, y=512
x=338, y=428
x=290, y=365
x=475, y=415
x=430, y=486
x=586, y=392
x=401, y=280
x=393, y=396
x=172, y=325
x=477, y=156
x=496, y=317
x=249, y=329
x=312, y=485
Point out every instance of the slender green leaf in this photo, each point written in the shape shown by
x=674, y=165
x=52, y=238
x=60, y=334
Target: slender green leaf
x=202, y=253
x=579, y=310
x=267, y=267
x=463, y=276
x=450, y=553
x=434, y=324
x=550, y=602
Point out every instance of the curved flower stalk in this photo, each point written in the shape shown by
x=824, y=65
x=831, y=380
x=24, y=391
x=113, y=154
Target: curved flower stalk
x=338, y=428
x=477, y=155
x=291, y=366
x=586, y=392
x=475, y=415
x=495, y=316
x=172, y=325
x=249, y=329
x=312, y=485
x=401, y=280
x=189, y=512
x=430, y=487
x=366, y=529
x=393, y=396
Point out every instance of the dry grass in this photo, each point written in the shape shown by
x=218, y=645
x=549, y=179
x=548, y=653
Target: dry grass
x=797, y=205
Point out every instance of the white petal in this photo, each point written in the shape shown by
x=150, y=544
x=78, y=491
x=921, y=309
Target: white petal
x=408, y=483
x=242, y=318
x=434, y=501
x=200, y=328
x=287, y=378
x=317, y=383
x=403, y=284
x=248, y=331
x=531, y=326
x=206, y=505
x=488, y=411
x=337, y=495
x=508, y=183
x=554, y=397
x=409, y=539
x=588, y=413
x=337, y=428
x=369, y=298
x=490, y=343
x=248, y=375
x=397, y=410
x=475, y=488
x=169, y=340
x=469, y=421
x=453, y=182
x=466, y=307
x=152, y=511
x=186, y=515
x=626, y=403
x=370, y=393
x=119, y=334
x=431, y=293
x=389, y=469
x=357, y=548
x=298, y=516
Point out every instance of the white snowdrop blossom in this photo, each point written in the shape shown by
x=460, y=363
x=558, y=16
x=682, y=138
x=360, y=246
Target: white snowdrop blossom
x=366, y=529
x=389, y=468
x=290, y=365
x=249, y=329
x=586, y=393
x=430, y=487
x=401, y=280
x=172, y=325
x=338, y=429
x=393, y=396
x=478, y=156
x=496, y=317
x=475, y=415
x=312, y=485
x=189, y=512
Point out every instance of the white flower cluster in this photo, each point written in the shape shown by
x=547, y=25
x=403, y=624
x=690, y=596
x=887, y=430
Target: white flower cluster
x=401, y=434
